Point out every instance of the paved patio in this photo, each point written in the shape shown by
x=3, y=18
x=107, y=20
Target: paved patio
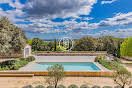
x=64, y=58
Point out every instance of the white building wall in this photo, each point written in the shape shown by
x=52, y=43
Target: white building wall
x=27, y=51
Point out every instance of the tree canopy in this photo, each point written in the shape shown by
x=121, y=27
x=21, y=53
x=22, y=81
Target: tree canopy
x=12, y=38
x=85, y=44
x=55, y=74
x=126, y=47
x=40, y=45
x=106, y=43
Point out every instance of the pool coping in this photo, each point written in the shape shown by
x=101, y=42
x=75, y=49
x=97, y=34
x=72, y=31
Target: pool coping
x=25, y=68
x=25, y=73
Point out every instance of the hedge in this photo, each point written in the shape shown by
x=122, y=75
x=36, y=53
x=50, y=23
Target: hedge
x=28, y=86
x=15, y=64
x=107, y=87
x=95, y=86
x=84, y=86
x=50, y=87
x=73, y=86
x=40, y=86
x=61, y=86
x=117, y=87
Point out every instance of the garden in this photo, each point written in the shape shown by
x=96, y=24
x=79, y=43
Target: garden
x=13, y=40
x=15, y=64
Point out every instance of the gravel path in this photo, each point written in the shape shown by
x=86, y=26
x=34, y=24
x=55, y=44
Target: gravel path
x=19, y=82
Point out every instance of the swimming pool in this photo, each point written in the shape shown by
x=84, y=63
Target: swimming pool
x=67, y=66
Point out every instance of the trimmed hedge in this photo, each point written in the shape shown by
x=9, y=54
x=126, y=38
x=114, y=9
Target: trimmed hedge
x=107, y=87
x=73, y=86
x=61, y=86
x=28, y=86
x=50, y=87
x=40, y=86
x=117, y=87
x=84, y=86
x=96, y=86
x=15, y=64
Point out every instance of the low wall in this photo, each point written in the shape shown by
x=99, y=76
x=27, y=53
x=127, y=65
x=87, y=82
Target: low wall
x=71, y=54
x=81, y=74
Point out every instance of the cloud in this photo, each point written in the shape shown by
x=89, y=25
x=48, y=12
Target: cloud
x=5, y=1
x=16, y=4
x=44, y=25
x=12, y=14
x=119, y=19
x=108, y=2
x=45, y=10
x=41, y=26
x=120, y=33
x=58, y=8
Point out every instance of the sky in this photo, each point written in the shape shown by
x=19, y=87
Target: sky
x=54, y=19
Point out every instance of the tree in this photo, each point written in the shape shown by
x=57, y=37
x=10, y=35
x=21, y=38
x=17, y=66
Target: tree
x=100, y=45
x=118, y=50
x=126, y=47
x=85, y=44
x=110, y=44
x=50, y=45
x=56, y=73
x=123, y=77
x=12, y=38
x=37, y=44
x=55, y=45
x=41, y=45
x=30, y=42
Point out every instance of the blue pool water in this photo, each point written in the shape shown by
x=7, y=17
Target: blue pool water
x=67, y=66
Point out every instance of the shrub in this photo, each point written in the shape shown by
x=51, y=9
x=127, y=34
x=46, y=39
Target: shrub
x=61, y=86
x=84, y=86
x=40, y=86
x=21, y=59
x=28, y=86
x=30, y=58
x=15, y=64
x=122, y=77
x=112, y=65
x=23, y=63
x=107, y=87
x=117, y=60
x=73, y=86
x=126, y=47
x=50, y=87
x=7, y=63
x=5, y=68
x=117, y=87
x=98, y=58
x=96, y=86
x=55, y=74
